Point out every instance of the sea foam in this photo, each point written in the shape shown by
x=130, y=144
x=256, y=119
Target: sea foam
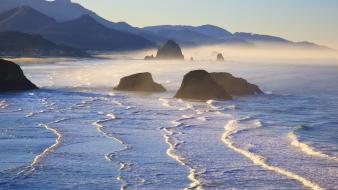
x=232, y=127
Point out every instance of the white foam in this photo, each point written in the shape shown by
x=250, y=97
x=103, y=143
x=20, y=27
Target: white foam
x=117, y=102
x=3, y=104
x=231, y=107
x=47, y=151
x=231, y=129
x=171, y=152
x=308, y=149
x=165, y=102
x=210, y=103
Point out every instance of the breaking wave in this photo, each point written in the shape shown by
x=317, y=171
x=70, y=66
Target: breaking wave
x=232, y=128
x=306, y=148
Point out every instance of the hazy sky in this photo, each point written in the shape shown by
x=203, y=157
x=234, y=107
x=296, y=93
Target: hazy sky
x=298, y=20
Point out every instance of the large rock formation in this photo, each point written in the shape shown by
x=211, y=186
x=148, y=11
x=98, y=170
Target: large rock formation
x=199, y=85
x=149, y=57
x=12, y=78
x=142, y=82
x=235, y=86
x=220, y=57
x=170, y=50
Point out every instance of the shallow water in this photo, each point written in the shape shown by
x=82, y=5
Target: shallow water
x=76, y=133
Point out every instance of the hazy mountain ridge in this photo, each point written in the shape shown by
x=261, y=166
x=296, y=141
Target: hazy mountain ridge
x=83, y=32
x=65, y=10
x=18, y=44
x=87, y=33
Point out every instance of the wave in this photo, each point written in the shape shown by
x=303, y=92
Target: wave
x=165, y=102
x=48, y=150
x=231, y=128
x=171, y=152
x=3, y=104
x=173, y=143
x=99, y=127
x=113, y=156
x=308, y=149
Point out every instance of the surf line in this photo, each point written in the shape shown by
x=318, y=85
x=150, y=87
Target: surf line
x=170, y=140
x=307, y=149
x=173, y=143
x=230, y=129
x=99, y=124
x=48, y=150
x=3, y=104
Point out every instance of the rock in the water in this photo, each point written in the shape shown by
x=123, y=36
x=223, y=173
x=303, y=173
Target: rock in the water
x=141, y=82
x=235, y=86
x=149, y=57
x=170, y=50
x=220, y=57
x=199, y=85
x=12, y=78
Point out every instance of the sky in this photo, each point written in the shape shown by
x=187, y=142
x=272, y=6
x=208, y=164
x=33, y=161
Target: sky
x=297, y=20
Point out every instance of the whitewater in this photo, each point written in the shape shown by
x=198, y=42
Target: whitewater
x=77, y=133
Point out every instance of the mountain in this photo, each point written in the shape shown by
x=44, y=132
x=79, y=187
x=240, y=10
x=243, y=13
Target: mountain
x=259, y=38
x=24, y=19
x=20, y=44
x=199, y=35
x=210, y=31
x=63, y=10
x=84, y=32
x=87, y=33
x=273, y=40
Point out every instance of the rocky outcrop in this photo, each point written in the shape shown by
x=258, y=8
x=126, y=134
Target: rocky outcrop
x=149, y=57
x=235, y=86
x=12, y=78
x=141, y=82
x=220, y=57
x=199, y=85
x=170, y=50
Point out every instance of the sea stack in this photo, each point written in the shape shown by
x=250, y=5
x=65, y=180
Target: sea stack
x=220, y=57
x=12, y=78
x=235, y=86
x=199, y=85
x=140, y=82
x=170, y=51
x=149, y=57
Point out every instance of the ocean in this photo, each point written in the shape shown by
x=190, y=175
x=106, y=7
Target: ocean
x=77, y=133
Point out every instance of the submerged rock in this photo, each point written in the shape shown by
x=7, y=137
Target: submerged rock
x=235, y=86
x=12, y=78
x=170, y=50
x=220, y=57
x=141, y=82
x=199, y=85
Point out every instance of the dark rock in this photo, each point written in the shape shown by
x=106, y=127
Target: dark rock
x=12, y=78
x=220, y=57
x=191, y=59
x=199, y=85
x=235, y=86
x=142, y=82
x=170, y=50
x=149, y=57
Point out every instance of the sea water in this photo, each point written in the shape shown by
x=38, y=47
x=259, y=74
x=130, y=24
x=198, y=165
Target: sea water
x=77, y=133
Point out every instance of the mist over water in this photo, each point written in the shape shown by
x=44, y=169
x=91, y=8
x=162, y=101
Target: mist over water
x=77, y=133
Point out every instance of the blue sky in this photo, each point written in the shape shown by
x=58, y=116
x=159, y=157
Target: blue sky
x=299, y=20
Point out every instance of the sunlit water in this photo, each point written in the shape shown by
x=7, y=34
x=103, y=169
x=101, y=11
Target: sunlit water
x=77, y=133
